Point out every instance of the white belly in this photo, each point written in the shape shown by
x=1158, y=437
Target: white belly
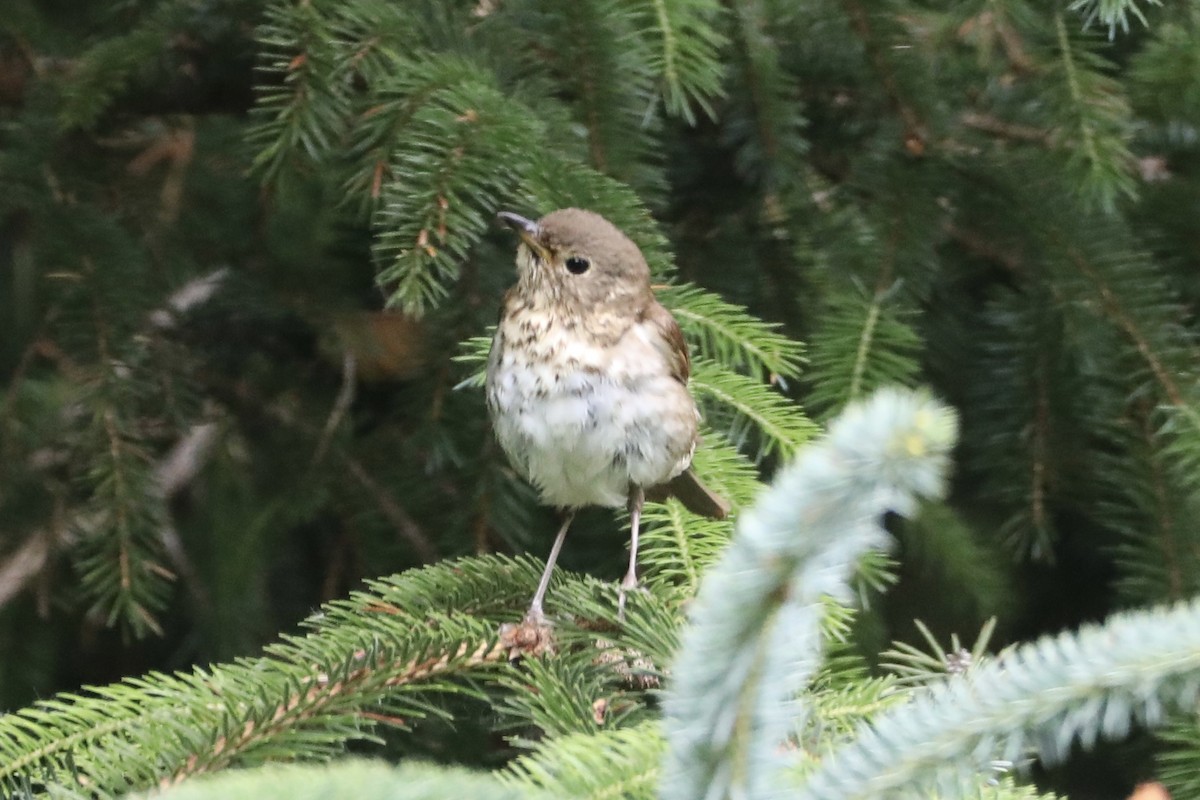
x=582, y=438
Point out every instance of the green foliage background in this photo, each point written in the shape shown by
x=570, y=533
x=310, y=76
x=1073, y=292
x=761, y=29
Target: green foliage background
x=247, y=269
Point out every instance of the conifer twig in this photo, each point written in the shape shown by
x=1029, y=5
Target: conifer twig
x=756, y=636
x=914, y=129
x=1045, y=696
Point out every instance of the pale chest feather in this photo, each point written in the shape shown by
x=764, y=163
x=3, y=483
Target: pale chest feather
x=581, y=418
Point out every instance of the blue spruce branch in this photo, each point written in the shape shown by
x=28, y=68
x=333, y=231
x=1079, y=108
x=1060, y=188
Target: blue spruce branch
x=756, y=640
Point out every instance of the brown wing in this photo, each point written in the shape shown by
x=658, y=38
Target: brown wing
x=686, y=486
x=669, y=340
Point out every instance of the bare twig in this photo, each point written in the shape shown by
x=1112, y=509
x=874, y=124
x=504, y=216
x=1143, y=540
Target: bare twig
x=186, y=458
x=977, y=245
x=405, y=525
x=915, y=136
x=175, y=471
x=193, y=293
x=25, y=563
x=1008, y=130
x=341, y=405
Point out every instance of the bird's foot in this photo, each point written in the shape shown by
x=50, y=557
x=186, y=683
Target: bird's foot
x=532, y=636
x=630, y=584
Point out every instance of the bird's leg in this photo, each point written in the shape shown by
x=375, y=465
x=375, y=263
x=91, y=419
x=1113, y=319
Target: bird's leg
x=630, y=582
x=535, y=613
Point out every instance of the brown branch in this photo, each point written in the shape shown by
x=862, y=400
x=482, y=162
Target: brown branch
x=1166, y=527
x=37, y=346
x=596, y=150
x=186, y=458
x=1007, y=130
x=994, y=22
x=1114, y=308
x=403, y=522
x=1040, y=448
x=238, y=396
x=914, y=129
x=25, y=563
x=747, y=28
x=975, y=244
x=341, y=405
x=171, y=474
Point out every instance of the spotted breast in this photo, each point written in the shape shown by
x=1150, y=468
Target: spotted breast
x=587, y=407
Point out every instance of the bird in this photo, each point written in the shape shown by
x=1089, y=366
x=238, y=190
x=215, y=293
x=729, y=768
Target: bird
x=587, y=381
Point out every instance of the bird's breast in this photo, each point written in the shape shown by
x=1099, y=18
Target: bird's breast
x=582, y=418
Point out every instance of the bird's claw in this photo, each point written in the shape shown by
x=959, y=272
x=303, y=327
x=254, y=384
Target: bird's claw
x=626, y=588
x=532, y=636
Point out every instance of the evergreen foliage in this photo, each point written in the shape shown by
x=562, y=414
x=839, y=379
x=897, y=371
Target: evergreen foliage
x=247, y=276
x=355, y=780
x=1074, y=688
x=378, y=657
x=757, y=625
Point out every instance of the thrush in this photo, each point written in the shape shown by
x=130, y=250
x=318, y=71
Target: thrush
x=587, y=381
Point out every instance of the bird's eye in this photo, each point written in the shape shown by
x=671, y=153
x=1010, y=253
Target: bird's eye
x=577, y=265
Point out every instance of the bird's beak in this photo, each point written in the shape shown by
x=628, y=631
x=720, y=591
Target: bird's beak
x=527, y=229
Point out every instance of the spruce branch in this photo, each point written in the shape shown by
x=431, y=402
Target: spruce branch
x=120, y=531
x=1152, y=511
x=915, y=132
x=842, y=695
x=380, y=131
x=914, y=666
x=348, y=780
x=557, y=695
x=302, y=103
x=619, y=763
x=677, y=547
x=387, y=652
x=591, y=684
x=1020, y=343
x=1178, y=766
x=757, y=622
x=1047, y=696
x=376, y=41
x=1096, y=122
x=1133, y=297
x=685, y=42
x=608, y=79
x=750, y=413
x=859, y=345
x=1126, y=320
x=107, y=69
x=1112, y=13
x=730, y=335
x=120, y=540
x=1162, y=84
x=764, y=116
x=465, y=150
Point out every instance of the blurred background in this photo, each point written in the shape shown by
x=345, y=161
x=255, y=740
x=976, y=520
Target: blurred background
x=221, y=405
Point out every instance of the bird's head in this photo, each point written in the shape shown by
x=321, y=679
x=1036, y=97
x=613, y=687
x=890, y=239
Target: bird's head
x=579, y=259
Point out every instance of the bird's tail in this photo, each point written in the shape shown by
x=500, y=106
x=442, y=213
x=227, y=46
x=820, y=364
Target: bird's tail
x=691, y=491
